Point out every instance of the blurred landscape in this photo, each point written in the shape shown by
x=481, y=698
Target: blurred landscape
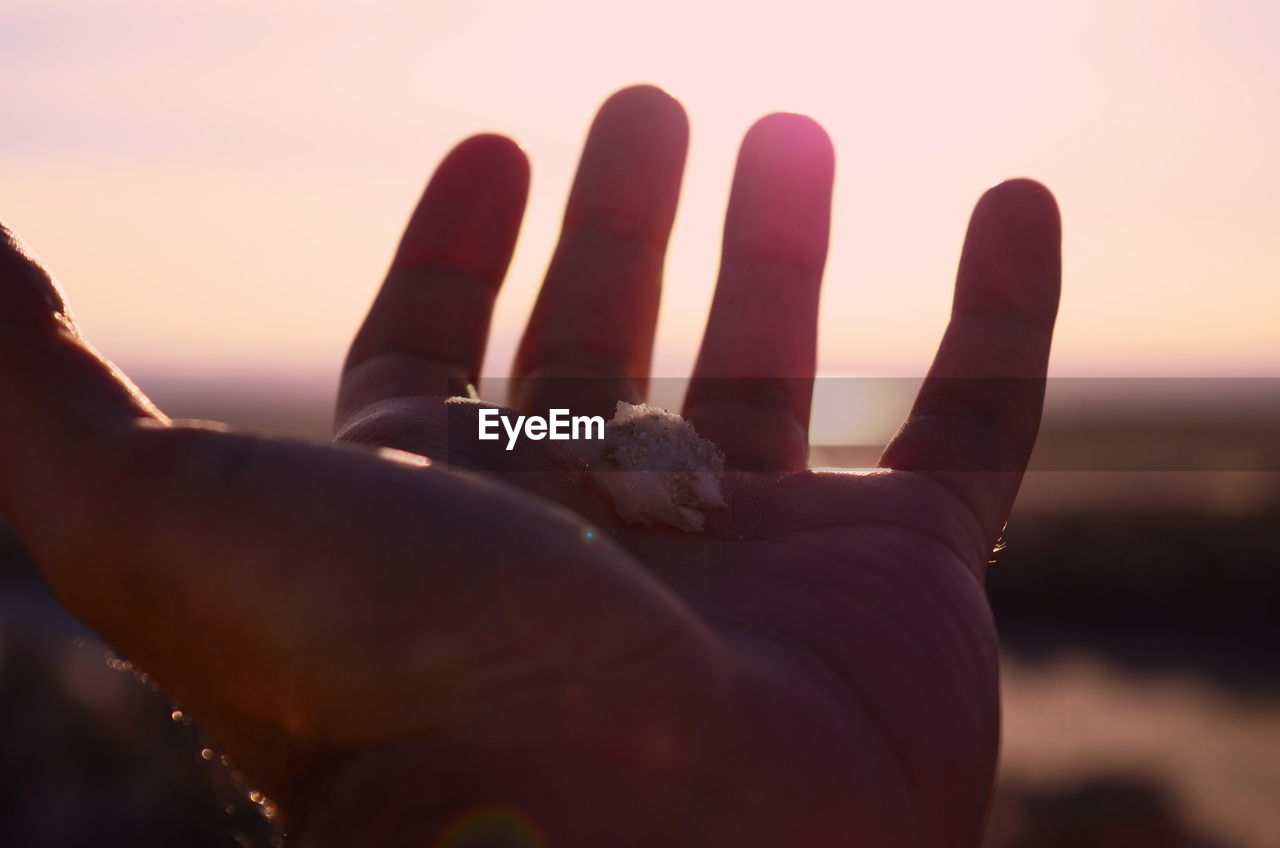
x=1138, y=601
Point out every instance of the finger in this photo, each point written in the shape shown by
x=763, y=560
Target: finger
x=59, y=401
x=589, y=340
x=753, y=382
x=426, y=331
x=975, y=420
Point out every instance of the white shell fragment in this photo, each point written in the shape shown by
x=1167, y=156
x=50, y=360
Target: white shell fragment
x=657, y=469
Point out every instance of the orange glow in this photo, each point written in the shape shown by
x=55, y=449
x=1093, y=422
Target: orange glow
x=219, y=185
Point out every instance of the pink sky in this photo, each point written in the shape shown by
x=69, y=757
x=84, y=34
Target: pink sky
x=220, y=184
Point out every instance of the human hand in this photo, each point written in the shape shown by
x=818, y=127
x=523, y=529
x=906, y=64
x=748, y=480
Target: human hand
x=383, y=646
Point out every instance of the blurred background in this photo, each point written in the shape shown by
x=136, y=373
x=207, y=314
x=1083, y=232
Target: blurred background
x=219, y=186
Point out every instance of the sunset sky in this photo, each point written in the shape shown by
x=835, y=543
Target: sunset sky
x=219, y=185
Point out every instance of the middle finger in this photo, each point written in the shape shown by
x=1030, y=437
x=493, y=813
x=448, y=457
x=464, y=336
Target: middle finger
x=590, y=337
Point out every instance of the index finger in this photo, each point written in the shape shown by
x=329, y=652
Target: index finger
x=590, y=337
x=975, y=420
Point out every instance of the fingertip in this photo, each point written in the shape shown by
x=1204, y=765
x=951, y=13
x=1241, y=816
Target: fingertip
x=1022, y=186
x=632, y=165
x=470, y=212
x=643, y=91
x=491, y=144
x=490, y=154
x=1022, y=200
x=1012, y=257
x=648, y=100
x=780, y=204
x=794, y=136
x=642, y=129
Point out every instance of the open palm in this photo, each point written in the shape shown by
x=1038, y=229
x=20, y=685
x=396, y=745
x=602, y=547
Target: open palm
x=401, y=649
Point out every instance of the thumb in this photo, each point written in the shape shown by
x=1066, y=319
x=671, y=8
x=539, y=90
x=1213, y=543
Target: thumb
x=61, y=404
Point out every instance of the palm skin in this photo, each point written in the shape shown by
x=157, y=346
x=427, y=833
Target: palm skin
x=383, y=644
